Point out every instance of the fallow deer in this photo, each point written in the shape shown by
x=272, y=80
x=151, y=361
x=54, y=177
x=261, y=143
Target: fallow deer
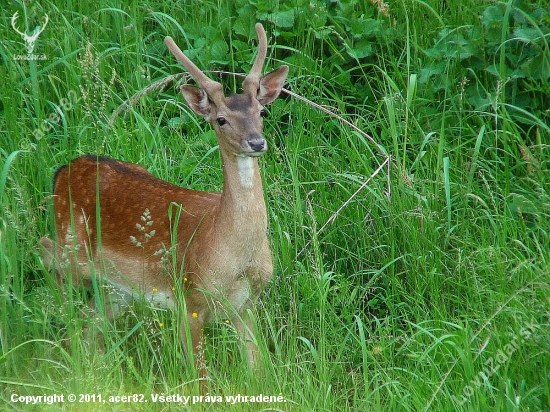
x=115, y=219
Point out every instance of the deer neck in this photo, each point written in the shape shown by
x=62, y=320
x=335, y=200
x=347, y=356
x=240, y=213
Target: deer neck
x=242, y=205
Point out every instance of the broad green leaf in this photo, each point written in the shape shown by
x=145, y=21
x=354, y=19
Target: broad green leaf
x=368, y=27
x=431, y=69
x=323, y=34
x=284, y=19
x=493, y=16
x=537, y=67
x=362, y=48
x=527, y=34
x=244, y=24
x=219, y=51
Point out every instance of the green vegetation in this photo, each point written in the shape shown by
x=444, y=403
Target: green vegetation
x=426, y=288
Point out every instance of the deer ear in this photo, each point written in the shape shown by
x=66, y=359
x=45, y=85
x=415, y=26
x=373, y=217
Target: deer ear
x=197, y=99
x=271, y=85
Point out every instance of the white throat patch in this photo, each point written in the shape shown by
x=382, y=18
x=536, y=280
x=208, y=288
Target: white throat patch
x=246, y=171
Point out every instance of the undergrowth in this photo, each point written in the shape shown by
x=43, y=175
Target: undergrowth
x=420, y=285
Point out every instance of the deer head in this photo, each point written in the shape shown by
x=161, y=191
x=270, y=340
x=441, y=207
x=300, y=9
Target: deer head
x=236, y=116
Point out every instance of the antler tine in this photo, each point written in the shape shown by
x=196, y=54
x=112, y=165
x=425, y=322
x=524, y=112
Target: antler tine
x=13, y=20
x=212, y=88
x=251, y=82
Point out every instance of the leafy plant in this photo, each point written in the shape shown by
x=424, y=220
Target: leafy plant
x=384, y=298
x=509, y=49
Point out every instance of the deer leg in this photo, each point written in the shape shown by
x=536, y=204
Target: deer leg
x=245, y=328
x=51, y=254
x=196, y=326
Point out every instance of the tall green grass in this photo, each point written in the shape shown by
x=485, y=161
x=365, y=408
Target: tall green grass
x=385, y=298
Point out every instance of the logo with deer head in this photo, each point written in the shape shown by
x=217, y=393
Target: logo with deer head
x=29, y=39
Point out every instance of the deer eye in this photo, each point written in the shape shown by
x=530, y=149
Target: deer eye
x=263, y=113
x=221, y=121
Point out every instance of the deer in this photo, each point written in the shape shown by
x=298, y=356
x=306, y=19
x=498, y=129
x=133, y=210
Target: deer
x=149, y=238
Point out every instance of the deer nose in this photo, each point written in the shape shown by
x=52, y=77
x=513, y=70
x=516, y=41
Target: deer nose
x=257, y=145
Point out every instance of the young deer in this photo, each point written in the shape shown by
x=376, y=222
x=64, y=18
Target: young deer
x=117, y=220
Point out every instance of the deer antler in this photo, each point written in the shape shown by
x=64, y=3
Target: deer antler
x=252, y=81
x=212, y=88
